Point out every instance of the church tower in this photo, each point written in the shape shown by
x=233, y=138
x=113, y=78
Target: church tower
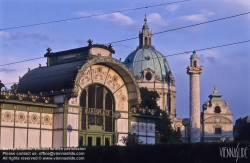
x=152, y=70
x=145, y=36
x=194, y=72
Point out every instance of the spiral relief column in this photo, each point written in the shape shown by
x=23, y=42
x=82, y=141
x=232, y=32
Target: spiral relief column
x=194, y=72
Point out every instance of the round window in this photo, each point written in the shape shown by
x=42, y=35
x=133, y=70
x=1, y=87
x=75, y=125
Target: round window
x=148, y=76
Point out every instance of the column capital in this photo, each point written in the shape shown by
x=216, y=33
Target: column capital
x=194, y=70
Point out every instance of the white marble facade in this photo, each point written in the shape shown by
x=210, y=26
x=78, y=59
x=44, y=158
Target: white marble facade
x=23, y=129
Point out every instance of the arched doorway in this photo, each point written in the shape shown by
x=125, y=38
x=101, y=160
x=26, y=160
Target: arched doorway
x=97, y=123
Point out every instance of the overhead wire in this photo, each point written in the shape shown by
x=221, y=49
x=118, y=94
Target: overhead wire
x=94, y=15
x=213, y=47
x=211, y=21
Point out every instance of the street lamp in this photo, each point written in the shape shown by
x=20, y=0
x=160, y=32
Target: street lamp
x=185, y=122
x=116, y=115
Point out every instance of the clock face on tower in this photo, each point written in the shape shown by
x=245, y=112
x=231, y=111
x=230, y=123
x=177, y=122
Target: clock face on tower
x=217, y=120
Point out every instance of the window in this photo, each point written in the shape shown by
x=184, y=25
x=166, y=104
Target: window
x=217, y=130
x=217, y=109
x=148, y=76
x=97, y=97
x=146, y=41
x=98, y=141
x=89, y=141
x=107, y=142
x=195, y=63
x=81, y=141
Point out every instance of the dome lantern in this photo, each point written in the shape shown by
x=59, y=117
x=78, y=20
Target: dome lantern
x=145, y=36
x=146, y=56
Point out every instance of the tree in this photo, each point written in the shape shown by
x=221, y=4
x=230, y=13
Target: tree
x=149, y=99
x=244, y=133
x=131, y=139
x=164, y=130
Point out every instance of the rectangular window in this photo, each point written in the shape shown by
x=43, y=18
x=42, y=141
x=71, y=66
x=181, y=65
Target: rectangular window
x=81, y=141
x=89, y=141
x=107, y=142
x=98, y=141
x=217, y=131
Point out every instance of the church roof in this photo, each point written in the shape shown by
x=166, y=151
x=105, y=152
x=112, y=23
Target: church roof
x=194, y=55
x=215, y=95
x=145, y=58
x=62, y=69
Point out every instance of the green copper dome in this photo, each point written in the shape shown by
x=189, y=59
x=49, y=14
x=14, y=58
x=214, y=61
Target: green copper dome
x=194, y=55
x=144, y=58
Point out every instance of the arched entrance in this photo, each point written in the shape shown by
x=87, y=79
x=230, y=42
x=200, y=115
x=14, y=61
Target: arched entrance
x=97, y=123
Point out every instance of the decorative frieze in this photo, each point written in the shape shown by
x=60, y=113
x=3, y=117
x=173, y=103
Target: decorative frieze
x=7, y=94
x=143, y=128
x=33, y=97
x=137, y=110
x=84, y=74
x=34, y=118
x=46, y=99
x=25, y=97
x=21, y=96
x=46, y=120
x=217, y=119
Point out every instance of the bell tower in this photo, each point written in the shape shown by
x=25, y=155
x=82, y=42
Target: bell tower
x=194, y=71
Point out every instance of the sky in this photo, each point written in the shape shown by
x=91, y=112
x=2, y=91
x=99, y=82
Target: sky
x=226, y=67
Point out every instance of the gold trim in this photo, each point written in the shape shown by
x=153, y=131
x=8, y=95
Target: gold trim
x=28, y=108
x=41, y=109
x=15, y=107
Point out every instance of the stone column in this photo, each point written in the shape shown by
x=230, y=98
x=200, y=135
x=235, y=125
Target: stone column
x=194, y=71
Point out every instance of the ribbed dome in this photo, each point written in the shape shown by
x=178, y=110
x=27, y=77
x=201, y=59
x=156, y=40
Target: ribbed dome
x=144, y=58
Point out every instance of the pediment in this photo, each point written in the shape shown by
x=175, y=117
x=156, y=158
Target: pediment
x=218, y=119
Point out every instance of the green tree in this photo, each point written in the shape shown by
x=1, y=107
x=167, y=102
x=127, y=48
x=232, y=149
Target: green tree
x=244, y=133
x=131, y=139
x=164, y=130
x=149, y=99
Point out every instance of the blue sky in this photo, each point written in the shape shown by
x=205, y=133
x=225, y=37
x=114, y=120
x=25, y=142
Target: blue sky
x=227, y=67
